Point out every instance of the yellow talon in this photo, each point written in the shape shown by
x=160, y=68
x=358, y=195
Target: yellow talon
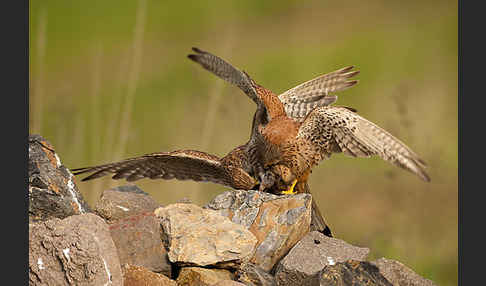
x=290, y=191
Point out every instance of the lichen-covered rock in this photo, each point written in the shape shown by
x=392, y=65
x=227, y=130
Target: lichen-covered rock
x=137, y=240
x=253, y=275
x=399, y=274
x=52, y=191
x=278, y=222
x=141, y=276
x=202, y=237
x=124, y=201
x=198, y=276
x=303, y=263
x=351, y=272
x=77, y=250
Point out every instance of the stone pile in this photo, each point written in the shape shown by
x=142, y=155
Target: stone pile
x=239, y=238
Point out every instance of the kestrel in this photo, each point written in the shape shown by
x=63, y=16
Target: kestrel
x=234, y=169
x=295, y=103
x=289, y=143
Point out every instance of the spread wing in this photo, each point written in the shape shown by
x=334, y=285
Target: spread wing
x=226, y=71
x=302, y=99
x=297, y=101
x=181, y=165
x=334, y=129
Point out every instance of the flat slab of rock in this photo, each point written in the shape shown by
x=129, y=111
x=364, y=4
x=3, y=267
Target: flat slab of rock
x=124, y=201
x=137, y=239
x=141, y=276
x=399, y=274
x=252, y=274
x=202, y=276
x=52, y=191
x=77, y=250
x=278, y=222
x=351, y=272
x=309, y=256
x=197, y=236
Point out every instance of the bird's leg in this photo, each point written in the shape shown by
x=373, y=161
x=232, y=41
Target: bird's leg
x=290, y=190
x=287, y=179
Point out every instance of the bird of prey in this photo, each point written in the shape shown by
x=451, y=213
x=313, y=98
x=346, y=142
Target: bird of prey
x=296, y=103
x=233, y=170
x=291, y=133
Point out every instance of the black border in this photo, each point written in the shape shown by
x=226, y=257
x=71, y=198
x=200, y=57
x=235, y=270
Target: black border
x=23, y=50
x=14, y=117
x=471, y=123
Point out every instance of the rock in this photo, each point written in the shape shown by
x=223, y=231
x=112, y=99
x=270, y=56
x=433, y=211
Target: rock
x=124, y=201
x=278, y=222
x=202, y=276
x=399, y=274
x=141, y=276
x=228, y=283
x=77, y=250
x=52, y=191
x=317, y=220
x=251, y=274
x=197, y=236
x=309, y=256
x=137, y=240
x=351, y=272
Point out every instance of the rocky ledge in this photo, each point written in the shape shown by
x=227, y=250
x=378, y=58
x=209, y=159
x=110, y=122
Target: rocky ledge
x=239, y=238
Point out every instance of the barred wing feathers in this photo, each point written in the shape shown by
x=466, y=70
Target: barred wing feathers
x=338, y=129
x=226, y=71
x=303, y=98
x=180, y=165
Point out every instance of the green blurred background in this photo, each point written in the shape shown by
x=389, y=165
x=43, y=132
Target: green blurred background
x=110, y=80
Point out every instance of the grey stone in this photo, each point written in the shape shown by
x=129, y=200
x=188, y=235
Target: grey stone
x=77, y=250
x=278, y=222
x=52, y=191
x=138, y=242
x=399, y=274
x=351, y=272
x=240, y=206
x=124, y=201
x=310, y=255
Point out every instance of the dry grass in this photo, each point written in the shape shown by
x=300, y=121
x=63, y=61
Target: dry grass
x=215, y=100
x=36, y=110
x=134, y=73
x=133, y=78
